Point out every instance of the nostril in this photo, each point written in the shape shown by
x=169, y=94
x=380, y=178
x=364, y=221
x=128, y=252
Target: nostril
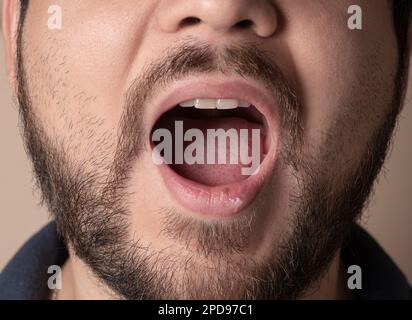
x=217, y=16
x=189, y=21
x=244, y=24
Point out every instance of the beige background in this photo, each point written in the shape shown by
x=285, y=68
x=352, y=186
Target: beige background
x=389, y=217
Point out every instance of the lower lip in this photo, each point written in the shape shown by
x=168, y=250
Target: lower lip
x=219, y=201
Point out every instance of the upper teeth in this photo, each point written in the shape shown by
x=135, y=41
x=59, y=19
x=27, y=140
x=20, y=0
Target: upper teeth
x=221, y=104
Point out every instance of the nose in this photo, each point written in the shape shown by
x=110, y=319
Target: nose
x=221, y=16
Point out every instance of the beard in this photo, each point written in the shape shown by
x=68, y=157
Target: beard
x=91, y=213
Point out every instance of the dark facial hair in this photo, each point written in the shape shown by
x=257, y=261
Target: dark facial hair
x=93, y=218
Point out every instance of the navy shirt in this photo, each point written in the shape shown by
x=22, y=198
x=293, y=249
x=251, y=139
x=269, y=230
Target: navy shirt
x=25, y=276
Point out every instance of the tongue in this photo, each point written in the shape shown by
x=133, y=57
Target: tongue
x=222, y=172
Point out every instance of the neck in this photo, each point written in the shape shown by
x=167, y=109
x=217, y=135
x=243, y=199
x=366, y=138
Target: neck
x=79, y=283
x=332, y=286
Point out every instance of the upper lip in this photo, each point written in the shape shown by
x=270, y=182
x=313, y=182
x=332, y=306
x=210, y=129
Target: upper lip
x=242, y=89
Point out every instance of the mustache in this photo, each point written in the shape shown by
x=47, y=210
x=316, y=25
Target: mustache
x=195, y=58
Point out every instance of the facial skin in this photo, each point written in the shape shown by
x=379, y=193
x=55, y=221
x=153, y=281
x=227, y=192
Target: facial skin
x=88, y=94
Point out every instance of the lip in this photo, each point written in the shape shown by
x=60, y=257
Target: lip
x=225, y=200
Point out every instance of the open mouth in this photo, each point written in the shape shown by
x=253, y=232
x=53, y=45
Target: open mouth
x=226, y=145
x=216, y=150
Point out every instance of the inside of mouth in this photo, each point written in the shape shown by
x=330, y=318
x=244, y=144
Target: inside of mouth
x=233, y=157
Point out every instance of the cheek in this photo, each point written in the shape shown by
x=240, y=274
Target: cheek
x=74, y=111
x=77, y=75
x=344, y=78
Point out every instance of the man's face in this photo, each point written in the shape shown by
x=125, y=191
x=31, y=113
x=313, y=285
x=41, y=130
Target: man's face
x=93, y=93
